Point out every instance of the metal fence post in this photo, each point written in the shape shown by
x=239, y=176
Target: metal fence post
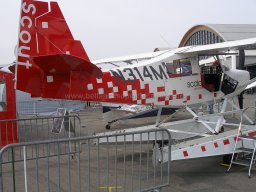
x=255, y=113
x=25, y=168
x=1, y=172
x=13, y=171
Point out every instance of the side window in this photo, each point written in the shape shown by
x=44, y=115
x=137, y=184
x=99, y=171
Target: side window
x=186, y=68
x=2, y=95
x=170, y=68
x=178, y=68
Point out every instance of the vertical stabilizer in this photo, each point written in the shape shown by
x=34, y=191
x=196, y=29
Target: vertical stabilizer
x=47, y=53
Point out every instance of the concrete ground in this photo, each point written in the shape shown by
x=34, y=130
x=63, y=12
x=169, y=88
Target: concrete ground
x=205, y=174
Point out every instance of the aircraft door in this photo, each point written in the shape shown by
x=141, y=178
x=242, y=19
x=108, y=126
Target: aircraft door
x=211, y=76
x=180, y=73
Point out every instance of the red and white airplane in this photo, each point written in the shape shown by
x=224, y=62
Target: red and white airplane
x=52, y=64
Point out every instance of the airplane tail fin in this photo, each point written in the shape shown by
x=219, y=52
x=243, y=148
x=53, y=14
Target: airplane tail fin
x=47, y=54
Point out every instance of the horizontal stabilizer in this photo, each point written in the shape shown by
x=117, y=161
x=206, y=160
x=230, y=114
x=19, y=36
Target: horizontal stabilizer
x=63, y=64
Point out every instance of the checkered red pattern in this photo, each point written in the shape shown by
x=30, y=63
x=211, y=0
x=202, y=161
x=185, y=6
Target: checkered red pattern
x=111, y=89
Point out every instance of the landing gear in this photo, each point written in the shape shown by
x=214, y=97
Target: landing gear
x=107, y=127
x=221, y=129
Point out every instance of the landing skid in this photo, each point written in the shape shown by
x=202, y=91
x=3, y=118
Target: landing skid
x=200, y=136
x=147, y=114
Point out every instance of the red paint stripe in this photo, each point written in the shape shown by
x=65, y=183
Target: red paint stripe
x=226, y=142
x=167, y=103
x=161, y=98
x=185, y=153
x=237, y=139
x=146, y=86
x=109, y=90
x=150, y=95
x=170, y=97
x=160, y=89
x=200, y=96
x=179, y=96
x=252, y=134
x=174, y=92
x=216, y=145
x=188, y=98
x=215, y=94
x=203, y=148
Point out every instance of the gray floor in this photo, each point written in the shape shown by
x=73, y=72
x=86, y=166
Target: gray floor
x=205, y=174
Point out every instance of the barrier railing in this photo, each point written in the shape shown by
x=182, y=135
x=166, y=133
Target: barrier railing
x=47, y=107
x=39, y=129
x=113, y=166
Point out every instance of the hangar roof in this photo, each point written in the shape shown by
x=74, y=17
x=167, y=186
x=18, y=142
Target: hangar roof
x=226, y=32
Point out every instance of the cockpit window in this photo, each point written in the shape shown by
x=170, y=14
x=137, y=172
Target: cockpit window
x=223, y=63
x=185, y=66
x=180, y=67
x=214, y=60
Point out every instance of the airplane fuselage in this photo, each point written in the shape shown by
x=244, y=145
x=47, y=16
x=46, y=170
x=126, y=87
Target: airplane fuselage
x=149, y=83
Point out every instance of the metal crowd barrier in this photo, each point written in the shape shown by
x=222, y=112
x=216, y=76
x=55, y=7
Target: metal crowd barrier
x=39, y=129
x=47, y=107
x=114, y=166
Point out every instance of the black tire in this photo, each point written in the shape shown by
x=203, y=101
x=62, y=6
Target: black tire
x=108, y=127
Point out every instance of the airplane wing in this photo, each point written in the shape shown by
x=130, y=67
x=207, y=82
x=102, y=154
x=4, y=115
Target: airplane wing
x=251, y=85
x=130, y=58
x=7, y=68
x=220, y=48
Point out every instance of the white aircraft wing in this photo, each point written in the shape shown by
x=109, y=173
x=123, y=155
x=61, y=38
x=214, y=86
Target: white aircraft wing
x=129, y=58
x=219, y=48
x=251, y=85
x=5, y=68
